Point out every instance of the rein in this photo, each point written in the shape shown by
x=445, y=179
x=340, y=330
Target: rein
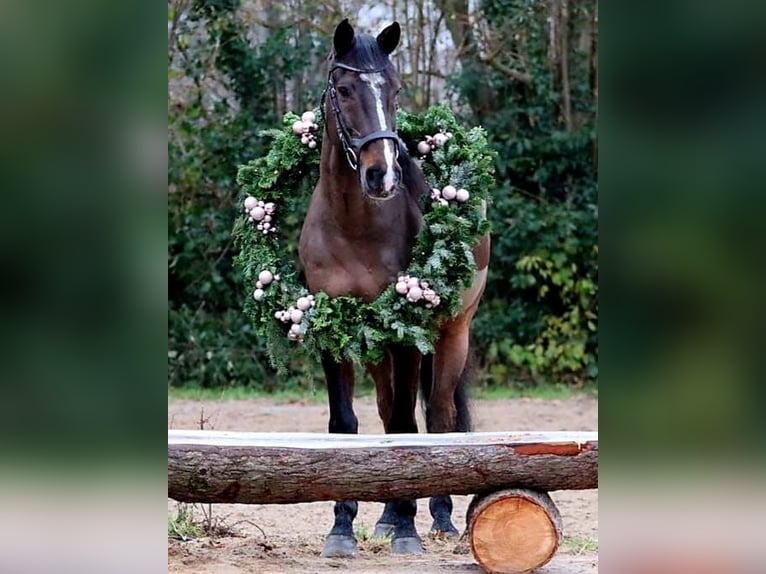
x=352, y=147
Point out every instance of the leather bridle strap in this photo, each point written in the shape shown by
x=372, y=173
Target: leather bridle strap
x=352, y=147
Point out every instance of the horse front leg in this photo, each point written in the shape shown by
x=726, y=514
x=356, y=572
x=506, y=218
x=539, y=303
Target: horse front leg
x=340, y=542
x=396, y=379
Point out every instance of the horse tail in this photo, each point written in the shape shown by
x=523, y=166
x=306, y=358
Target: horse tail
x=462, y=404
x=426, y=378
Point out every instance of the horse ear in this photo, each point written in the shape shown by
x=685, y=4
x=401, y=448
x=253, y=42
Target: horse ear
x=344, y=38
x=388, y=39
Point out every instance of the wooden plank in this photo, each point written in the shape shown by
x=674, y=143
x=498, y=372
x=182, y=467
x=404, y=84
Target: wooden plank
x=221, y=466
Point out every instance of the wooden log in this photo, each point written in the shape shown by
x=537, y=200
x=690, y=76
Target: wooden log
x=261, y=468
x=514, y=530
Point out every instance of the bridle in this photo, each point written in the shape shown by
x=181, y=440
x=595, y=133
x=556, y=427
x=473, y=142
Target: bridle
x=352, y=147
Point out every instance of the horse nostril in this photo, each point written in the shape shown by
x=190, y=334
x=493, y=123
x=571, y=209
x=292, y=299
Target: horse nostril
x=374, y=176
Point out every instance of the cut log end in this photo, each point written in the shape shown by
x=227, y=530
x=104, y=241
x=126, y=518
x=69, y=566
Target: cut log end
x=513, y=531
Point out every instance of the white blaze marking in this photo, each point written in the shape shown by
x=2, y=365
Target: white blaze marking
x=375, y=81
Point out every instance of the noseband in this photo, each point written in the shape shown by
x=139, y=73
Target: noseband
x=352, y=147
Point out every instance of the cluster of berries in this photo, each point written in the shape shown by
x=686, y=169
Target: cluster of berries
x=265, y=278
x=449, y=193
x=432, y=142
x=303, y=127
x=416, y=290
x=294, y=314
x=261, y=213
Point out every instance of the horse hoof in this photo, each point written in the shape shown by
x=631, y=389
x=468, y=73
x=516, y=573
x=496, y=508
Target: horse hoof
x=383, y=530
x=407, y=545
x=339, y=546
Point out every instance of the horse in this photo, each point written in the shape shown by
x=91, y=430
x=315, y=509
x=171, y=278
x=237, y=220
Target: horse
x=357, y=237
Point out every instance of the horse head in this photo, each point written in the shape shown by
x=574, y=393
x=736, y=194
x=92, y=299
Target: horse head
x=363, y=86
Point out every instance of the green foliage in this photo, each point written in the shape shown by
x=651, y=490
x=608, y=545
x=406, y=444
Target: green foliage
x=537, y=321
x=210, y=341
x=345, y=326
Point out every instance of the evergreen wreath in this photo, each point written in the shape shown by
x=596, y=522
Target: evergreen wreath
x=459, y=167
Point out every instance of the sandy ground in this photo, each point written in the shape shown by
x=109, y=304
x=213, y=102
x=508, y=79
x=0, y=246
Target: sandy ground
x=277, y=539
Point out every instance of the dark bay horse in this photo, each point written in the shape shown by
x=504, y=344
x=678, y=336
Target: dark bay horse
x=357, y=237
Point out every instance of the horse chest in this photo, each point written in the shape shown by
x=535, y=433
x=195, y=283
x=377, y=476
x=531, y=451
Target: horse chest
x=359, y=269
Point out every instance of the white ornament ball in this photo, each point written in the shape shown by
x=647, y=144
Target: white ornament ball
x=449, y=135
x=429, y=294
x=308, y=117
x=269, y=208
x=265, y=277
x=258, y=294
x=423, y=148
x=440, y=139
x=276, y=275
x=415, y=294
x=250, y=202
x=412, y=282
x=266, y=225
x=303, y=303
x=401, y=288
x=462, y=195
x=312, y=144
x=295, y=328
x=258, y=285
x=449, y=192
x=304, y=139
x=310, y=297
x=296, y=315
x=257, y=213
x=266, y=218
x=298, y=127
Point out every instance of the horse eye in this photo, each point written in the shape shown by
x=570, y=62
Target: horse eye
x=344, y=91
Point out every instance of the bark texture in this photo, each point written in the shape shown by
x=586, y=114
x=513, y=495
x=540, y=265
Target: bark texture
x=514, y=530
x=264, y=468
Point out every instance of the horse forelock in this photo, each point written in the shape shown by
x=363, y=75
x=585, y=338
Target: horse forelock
x=365, y=54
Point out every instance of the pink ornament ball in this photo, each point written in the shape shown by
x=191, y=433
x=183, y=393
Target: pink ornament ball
x=462, y=195
x=298, y=127
x=415, y=294
x=250, y=202
x=423, y=148
x=265, y=277
x=401, y=288
x=257, y=213
x=449, y=192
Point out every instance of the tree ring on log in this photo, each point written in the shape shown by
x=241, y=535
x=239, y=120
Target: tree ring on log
x=514, y=530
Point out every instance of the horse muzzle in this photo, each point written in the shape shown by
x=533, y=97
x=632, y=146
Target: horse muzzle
x=380, y=183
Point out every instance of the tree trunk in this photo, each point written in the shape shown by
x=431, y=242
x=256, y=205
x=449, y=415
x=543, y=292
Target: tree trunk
x=514, y=530
x=563, y=48
x=260, y=468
